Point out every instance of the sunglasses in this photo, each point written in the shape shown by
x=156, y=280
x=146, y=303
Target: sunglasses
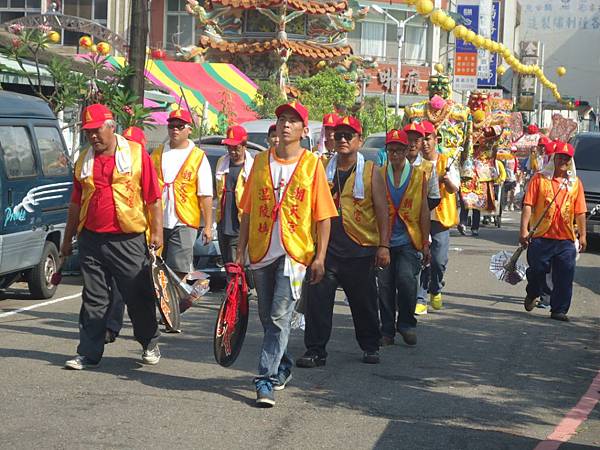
x=174, y=126
x=396, y=150
x=339, y=135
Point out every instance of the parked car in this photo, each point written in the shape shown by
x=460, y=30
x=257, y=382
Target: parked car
x=372, y=146
x=36, y=183
x=258, y=132
x=587, y=162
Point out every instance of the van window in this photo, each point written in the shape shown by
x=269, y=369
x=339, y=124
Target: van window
x=587, y=153
x=17, y=152
x=54, y=161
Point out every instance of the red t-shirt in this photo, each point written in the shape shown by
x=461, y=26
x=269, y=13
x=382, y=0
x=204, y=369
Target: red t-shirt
x=102, y=215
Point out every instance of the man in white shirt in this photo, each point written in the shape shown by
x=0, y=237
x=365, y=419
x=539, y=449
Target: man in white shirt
x=185, y=177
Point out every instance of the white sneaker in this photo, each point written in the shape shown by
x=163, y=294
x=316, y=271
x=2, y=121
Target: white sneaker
x=80, y=363
x=151, y=356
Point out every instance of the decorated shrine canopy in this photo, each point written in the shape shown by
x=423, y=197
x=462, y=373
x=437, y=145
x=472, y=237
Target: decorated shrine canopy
x=201, y=83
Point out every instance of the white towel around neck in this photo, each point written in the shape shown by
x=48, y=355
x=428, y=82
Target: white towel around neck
x=122, y=158
x=358, y=191
x=223, y=167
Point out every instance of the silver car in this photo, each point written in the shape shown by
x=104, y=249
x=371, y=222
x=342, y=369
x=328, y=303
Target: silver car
x=587, y=162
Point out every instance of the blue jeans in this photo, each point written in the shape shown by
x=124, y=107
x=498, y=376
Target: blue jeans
x=398, y=285
x=559, y=256
x=275, y=307
x=432, y=276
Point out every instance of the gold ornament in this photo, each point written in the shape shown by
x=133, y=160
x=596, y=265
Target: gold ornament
x=424, y=7
x=54, y=37
x=437, y=17
x=103, y=48
x=448, y=24
x=501, y=70
x=439, y=68
x=561, y=71
x=479, y=116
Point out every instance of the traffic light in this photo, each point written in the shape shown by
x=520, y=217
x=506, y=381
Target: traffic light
x=581, y=103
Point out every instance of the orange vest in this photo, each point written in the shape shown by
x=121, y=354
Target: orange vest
x=446, y=211
x=358, y=216
x=239, y=191
x=184, y=185
x=566, y=213
x=294, y=211
x=410, y=205
x=126, y=189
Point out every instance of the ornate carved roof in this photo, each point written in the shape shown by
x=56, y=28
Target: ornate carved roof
x=310, y=6
x=307, y=49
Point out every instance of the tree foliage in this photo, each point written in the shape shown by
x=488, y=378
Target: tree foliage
x=374, y=117
x=325, y=92
x=268, y=97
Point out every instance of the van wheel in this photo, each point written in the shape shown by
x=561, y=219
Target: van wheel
x=40, y=276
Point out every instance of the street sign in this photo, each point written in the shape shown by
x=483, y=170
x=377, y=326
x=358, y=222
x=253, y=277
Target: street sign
x=530, y=52
x=465, y=61
x=491, y=77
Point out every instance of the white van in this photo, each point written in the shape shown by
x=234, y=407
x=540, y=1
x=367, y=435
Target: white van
x=258, y=132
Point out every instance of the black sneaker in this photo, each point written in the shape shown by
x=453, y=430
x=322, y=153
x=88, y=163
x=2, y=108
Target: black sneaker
x=264, y=394
x=559, y=316
x=310, y=360
x=110, y=336
x=283, y=378
x=529, y=303
x=409, y=336
x=371, y=357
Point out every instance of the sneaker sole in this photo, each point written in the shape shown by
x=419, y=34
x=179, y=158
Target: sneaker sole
x=80, y=367
x=265, y=403
x=281, y=387
x=371, y=361
x=318, y=363
x=150, y=362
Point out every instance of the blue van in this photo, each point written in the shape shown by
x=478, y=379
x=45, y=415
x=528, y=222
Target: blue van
x=35, y=186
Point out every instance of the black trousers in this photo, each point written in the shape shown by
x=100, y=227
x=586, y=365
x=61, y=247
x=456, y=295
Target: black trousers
x=356, y=276
x=124, y=259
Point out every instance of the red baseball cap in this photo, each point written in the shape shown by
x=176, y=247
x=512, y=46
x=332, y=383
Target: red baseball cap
x=562, y=148
x=330, y=120
x=399, y=136
x=95, y=115
x=135, y=134
x=236, y=135
x=414, y=127
x=295, y=106
x=351, y=122
x=427, y=127
x=543, y=140
x=181, y=114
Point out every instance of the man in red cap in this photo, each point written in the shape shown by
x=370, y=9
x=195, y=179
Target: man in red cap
x=444, y=216
x=416, y=137
x=114, y=321
x=554, y=202
x=358, y=244
x=285, y=200
x=409, y=223
x=185, y=177
x=114, y=191
x=327, y=140
x=232, y=172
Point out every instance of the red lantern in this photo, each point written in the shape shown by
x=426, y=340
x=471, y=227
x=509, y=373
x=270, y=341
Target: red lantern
x=158, y=54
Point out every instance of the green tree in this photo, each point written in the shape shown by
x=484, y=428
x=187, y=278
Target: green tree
x=325, y=92
x=268, y=97
x=373, y=116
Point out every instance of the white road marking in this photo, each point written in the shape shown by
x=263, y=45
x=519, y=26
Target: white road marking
x=39, y=305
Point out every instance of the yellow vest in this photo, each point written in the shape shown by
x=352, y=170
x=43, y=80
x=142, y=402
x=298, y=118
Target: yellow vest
x=126, y=189
x=446, y=211
x=358, y=216
x=184, y=185
x=294, y=212
x=239, y=190
x=567, y=212
x=410, y=205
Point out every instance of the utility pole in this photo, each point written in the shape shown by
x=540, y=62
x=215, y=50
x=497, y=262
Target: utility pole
x=138, y=34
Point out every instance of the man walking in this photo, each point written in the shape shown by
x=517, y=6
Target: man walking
x=286, y=198
x=409, y=219
x=185, y=178
x=357, y=246
x=231, y=174
x=554, y=198
x=114, y=190
x=443, y=217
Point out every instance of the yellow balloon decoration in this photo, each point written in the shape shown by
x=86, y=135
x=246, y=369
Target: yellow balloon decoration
x=103, y=48
x=460, y=32
x=478, y=41
x=437, y=17
x=424, y=7
x=501, y=70
x=561, y=71
x=470, y=36
x=54, y=37
x=439, y=68
x=449, y=24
